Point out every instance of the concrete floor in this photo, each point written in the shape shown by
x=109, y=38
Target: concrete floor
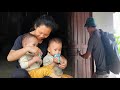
x=6, y=68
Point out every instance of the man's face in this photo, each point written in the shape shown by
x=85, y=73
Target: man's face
x=42, y=32
x=55, y=48
x=90, y=29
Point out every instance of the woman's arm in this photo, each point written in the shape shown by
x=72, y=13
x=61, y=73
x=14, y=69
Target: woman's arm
x=25, y=63
x=17, y=54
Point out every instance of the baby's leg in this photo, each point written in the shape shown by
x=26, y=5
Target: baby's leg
x=41, y=72
x=53, y=75
x=66, y=76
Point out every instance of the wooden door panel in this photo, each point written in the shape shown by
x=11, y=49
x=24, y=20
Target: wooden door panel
x=78, y=35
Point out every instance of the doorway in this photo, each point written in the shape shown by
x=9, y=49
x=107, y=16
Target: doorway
x=70, y=30
x=73, y=34
x=61, y=19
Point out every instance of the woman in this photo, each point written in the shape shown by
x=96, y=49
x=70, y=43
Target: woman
x=42, y=28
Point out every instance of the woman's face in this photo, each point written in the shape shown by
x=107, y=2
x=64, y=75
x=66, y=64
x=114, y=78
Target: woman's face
x=42, y=32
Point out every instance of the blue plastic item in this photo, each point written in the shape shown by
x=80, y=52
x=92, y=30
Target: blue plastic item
x=58, y=57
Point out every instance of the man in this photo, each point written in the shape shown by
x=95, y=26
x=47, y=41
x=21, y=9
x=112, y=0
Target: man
x=95, y=48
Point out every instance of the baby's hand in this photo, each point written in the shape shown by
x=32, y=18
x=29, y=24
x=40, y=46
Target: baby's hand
x=40, y=61
x=37, y=59
x=56, y=60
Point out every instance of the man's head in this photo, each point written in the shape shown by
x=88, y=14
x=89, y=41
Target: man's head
x=55, y=46
x=43, y=26
x=90, y=24
x=29, y=40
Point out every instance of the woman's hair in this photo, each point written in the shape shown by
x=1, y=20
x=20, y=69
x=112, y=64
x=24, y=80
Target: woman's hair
x=45, y=20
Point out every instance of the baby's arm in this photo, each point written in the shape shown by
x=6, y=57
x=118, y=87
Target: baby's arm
x=48, y=61
x=25, y=63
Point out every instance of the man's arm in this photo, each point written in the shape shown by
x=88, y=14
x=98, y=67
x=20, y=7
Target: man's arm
x=86, y=55
x=89, y=48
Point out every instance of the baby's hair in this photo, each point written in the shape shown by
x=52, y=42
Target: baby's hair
x=57, y=40
x=27, y=36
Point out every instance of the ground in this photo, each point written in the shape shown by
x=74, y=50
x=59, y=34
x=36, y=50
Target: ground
x=6, y=68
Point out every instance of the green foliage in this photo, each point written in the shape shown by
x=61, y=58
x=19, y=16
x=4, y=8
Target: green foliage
x=118, y=42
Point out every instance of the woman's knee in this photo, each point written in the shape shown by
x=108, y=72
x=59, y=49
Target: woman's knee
x=20, y=73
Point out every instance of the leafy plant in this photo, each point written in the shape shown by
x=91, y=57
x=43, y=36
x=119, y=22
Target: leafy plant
x=118, y=42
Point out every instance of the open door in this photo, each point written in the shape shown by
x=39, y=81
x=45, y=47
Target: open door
x=77, y=35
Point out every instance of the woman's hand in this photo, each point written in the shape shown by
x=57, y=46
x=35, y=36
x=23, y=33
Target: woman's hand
x=34, y=50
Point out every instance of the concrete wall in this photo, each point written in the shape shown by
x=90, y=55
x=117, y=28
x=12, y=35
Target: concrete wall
x=104, y=20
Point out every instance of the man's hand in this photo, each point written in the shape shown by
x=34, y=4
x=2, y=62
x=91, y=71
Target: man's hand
x=86, y=55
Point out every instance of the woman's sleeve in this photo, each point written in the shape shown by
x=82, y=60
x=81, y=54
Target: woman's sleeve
x=18, y=43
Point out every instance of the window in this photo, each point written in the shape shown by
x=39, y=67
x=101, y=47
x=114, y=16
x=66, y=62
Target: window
x=116, y=22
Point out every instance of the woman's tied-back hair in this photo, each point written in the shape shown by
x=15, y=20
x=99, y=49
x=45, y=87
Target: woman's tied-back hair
x=45, y=20
x=57, y=40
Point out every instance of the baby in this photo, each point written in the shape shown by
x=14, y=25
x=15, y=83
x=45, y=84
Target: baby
x=30, y=61
x=54, y=57
x=51, y=61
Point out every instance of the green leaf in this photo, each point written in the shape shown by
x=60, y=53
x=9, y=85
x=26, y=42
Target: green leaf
x=118, y=42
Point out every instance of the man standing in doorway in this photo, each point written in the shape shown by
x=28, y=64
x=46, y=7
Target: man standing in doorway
x=95, y=48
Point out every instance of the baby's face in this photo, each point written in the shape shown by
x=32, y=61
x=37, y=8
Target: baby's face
x=55, y=48
x=30, y=42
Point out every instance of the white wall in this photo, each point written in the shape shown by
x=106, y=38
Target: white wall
x=104, y=20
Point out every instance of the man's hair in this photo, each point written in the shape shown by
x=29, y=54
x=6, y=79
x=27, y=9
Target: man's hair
x=45, y=20
x=91, y=26
x=57, y=40
x=27, y=36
